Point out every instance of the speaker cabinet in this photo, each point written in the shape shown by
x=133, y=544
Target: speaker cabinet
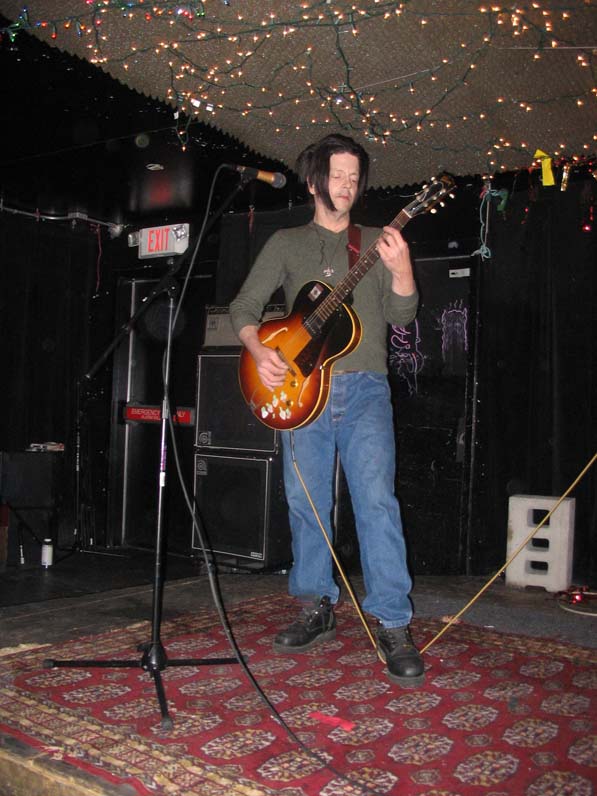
x=223, y=419
x=31, y=480
x=241, y=506
x=135, y=446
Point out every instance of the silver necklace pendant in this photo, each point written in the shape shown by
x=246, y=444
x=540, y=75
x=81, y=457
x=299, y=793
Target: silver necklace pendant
x=327, y=267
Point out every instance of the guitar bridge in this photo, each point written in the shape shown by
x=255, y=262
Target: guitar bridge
x=286, y=362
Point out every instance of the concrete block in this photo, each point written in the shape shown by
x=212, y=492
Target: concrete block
x=546, y=560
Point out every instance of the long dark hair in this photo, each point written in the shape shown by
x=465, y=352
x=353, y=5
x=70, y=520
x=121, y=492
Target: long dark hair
x=313, y=164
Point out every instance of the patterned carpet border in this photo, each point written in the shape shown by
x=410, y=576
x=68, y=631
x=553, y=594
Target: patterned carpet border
x=132, y=748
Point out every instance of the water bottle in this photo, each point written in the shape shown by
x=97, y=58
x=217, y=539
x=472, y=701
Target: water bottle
x=47, y=553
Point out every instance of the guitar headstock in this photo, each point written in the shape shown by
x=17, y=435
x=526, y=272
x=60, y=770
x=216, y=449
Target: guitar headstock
x=430, y=196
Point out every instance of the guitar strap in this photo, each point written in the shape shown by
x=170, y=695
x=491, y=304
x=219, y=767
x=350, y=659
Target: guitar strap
x=354, y=244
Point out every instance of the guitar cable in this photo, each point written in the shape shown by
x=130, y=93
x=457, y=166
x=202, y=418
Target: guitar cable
x=452, y=620
x=333, y=552
x=518, y=550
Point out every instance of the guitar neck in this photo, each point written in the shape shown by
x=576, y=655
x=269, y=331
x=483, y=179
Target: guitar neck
x=423, y=202
x=346, y=285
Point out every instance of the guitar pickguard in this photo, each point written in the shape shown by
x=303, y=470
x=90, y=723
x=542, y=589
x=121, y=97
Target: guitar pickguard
x=338, y=331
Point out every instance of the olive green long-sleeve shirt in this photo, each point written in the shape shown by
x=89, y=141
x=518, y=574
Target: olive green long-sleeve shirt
x=294, y=256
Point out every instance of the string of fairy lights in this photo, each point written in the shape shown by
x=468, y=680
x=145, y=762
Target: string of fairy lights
x=235, y=37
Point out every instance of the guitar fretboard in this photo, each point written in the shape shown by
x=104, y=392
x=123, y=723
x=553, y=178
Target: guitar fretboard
x=315, y=322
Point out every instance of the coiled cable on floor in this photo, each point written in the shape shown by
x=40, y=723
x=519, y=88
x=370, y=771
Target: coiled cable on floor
x=575, y=596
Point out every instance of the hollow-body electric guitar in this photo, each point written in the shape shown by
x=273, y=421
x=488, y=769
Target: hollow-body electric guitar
x=320, y=329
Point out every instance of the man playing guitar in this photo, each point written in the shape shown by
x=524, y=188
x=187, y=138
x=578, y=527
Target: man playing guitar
x=355, y=415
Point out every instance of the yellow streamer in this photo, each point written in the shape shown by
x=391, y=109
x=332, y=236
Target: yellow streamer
x=546, y=170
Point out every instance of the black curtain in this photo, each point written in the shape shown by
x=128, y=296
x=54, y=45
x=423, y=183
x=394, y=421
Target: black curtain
x=242, y=236
x=537, y=363
x=48, y=274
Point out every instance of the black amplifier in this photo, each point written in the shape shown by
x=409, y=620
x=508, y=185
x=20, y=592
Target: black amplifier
x=218, y=328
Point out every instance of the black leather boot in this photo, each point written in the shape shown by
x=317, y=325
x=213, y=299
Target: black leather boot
x=404, y=662
x=315, y=624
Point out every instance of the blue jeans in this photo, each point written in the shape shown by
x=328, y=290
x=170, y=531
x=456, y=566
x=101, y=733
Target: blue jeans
x=358, y=422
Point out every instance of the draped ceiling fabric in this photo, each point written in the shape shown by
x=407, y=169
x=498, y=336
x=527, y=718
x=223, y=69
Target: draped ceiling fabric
x=427, y=85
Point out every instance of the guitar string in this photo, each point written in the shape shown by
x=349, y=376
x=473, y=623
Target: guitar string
x=353, y=276
x=397, y=223
x=329, y=304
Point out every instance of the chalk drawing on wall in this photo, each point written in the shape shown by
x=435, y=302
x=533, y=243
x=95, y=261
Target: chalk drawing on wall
x=406, y=359
x=454, y=331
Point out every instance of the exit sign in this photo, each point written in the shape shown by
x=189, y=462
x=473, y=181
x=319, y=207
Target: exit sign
x=163, y=241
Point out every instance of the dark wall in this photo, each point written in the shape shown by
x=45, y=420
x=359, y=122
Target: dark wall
x=430, y=376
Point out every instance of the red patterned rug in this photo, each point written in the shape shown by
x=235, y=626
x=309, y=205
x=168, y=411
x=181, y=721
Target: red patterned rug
x=499, y=715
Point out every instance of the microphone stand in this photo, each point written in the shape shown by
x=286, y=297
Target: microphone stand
x=154, y=658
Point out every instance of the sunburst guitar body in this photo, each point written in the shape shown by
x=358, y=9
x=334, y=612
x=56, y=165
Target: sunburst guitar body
x=319, y=330
x=308, y=351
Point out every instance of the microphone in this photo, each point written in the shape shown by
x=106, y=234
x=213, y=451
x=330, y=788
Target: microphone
x=273, y=178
